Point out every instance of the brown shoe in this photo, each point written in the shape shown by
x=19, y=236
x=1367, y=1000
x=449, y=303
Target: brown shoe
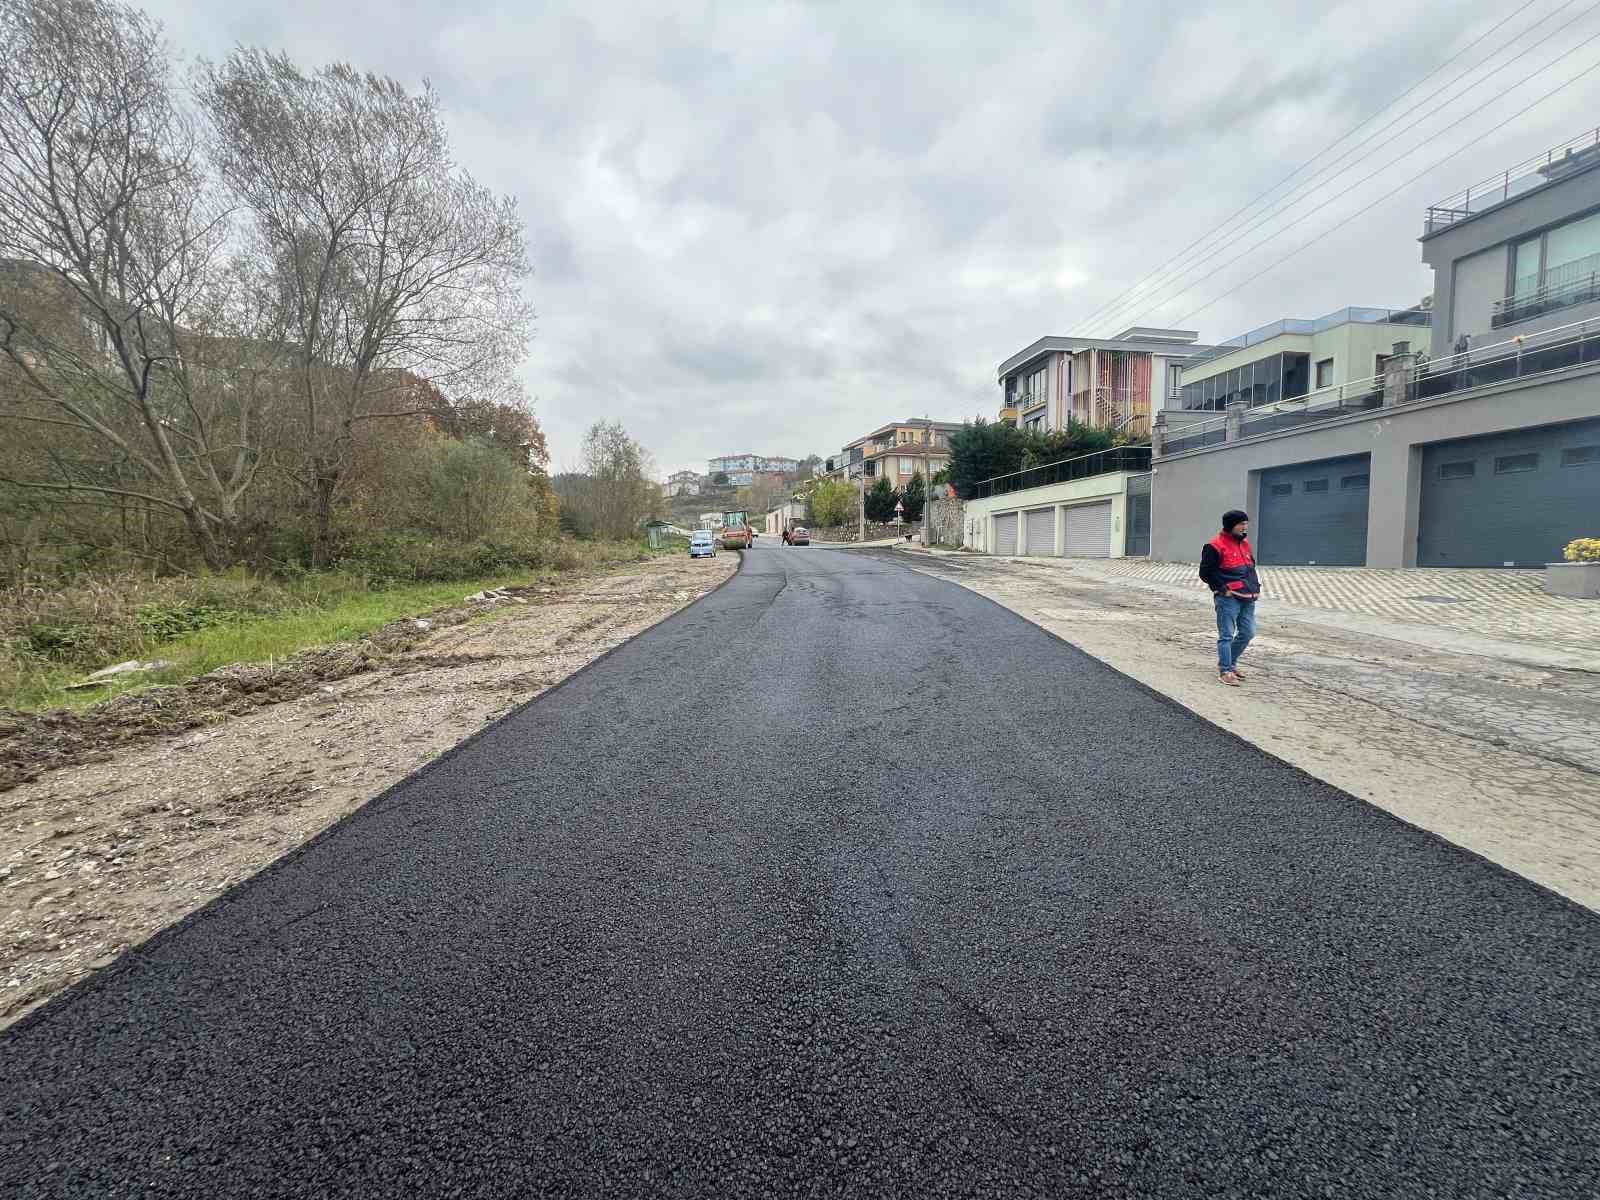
x=1239, y=675
x=1228, y=678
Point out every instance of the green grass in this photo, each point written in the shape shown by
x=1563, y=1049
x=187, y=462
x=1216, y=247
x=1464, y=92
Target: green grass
x=259, y=639
x=245, y=619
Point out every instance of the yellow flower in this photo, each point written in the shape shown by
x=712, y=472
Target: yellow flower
x=1583, y=550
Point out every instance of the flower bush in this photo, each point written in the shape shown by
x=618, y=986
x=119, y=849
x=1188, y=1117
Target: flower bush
x=1583, y=550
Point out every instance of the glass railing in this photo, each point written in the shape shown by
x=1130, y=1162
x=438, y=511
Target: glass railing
x=1118, y=458
x=1345, y=316
x=1574, y=154
x=1522, y=357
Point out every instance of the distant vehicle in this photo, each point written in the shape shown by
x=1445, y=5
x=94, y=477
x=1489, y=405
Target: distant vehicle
x=736, y=531
x=702, y=544
x=799, y=536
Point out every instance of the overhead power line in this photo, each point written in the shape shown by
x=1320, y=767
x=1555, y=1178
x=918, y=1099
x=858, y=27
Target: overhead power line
x=1171, y=296
x=1395, y=191
x=1115, y=304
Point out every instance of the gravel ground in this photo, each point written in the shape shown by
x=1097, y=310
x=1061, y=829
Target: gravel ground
x=137, y=829
x=683, y=927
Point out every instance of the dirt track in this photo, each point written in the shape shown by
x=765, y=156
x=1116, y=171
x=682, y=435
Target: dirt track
x=98, y=855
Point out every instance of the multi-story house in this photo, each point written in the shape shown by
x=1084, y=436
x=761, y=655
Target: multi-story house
x=1289, y=359
x=683, y=483
x=750, y=465
x=896, y=452
x=1487, y=454
x=1110, y=382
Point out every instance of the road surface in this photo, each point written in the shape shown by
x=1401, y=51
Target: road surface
x=777, y=900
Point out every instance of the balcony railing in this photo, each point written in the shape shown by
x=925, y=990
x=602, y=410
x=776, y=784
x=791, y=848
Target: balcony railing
x=1118, y=458
x=1575, y=154
x=1570, y=284
x=1527, y=356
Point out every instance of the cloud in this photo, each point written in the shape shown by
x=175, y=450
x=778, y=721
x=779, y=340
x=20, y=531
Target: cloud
x=775, y=226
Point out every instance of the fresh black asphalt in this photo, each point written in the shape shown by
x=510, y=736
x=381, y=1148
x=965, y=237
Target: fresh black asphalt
x=841, y=882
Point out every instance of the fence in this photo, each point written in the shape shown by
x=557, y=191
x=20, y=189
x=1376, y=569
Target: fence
x=1118, y=458
x=1521, y=357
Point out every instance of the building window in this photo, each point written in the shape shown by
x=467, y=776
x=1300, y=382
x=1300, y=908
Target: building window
x=1316, y=485
x=1581, y=456
x=1458, y=470
x=1325, y=374
x=1555, y=270
x=1283, y=489
x=1354, y=483
x=907, y=465
x=1510, y=464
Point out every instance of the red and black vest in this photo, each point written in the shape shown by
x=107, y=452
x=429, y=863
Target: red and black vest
x=1236, y=564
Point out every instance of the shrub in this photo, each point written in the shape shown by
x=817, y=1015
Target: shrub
x=1582, y=550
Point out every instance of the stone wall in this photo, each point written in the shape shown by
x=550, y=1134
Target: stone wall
x=944, y=522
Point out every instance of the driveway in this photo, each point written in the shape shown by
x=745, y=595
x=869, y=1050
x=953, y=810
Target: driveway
x=1009, y=923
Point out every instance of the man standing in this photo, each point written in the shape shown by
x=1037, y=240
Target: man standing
x=1228, y=567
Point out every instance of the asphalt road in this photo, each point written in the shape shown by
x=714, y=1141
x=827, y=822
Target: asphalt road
x=781, y=899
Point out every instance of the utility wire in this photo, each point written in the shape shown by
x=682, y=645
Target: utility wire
x=1284, y=205
x=1387, y=195
x=1116, y=303
x=1172, y=296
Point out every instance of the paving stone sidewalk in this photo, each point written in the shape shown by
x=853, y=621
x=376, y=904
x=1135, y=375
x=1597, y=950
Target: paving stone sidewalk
x=1512, y=605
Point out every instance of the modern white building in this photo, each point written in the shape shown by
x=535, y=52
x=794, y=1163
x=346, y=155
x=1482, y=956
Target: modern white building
x=1292, y=358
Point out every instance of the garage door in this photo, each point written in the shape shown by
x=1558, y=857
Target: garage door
x=1138, y=516
x=1509, y=499
x=1089, y=530
x=1040, y=531
x=1005, y=533
x=1314, y=513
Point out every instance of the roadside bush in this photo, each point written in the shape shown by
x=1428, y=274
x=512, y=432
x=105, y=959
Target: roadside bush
x=1582, y=550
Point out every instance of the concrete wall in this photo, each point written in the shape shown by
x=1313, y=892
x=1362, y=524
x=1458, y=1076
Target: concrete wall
x=1192, y=490
x=979, y=515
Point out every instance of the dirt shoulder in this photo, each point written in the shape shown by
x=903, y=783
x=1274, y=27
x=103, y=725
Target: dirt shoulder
x=121, y=825
x=1499, y=756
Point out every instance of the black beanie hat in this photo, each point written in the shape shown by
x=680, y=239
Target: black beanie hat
x=1232, y=517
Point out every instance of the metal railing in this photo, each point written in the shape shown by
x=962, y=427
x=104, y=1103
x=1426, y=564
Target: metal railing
x=1573, y=283
x=1101, y=462
x=1574, y=154
x=1522, y=357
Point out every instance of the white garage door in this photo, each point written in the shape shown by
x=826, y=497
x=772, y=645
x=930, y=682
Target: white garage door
x=1005, y=533
x=1041, y=531
x=1089, y=530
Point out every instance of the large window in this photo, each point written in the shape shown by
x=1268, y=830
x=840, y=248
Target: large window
x=1556, y=269
x=1254, y=383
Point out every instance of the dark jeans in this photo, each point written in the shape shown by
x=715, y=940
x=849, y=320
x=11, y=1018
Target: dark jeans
x=1236, y=625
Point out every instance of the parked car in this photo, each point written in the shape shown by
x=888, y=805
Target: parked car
x=799, y=536
x=702, y=544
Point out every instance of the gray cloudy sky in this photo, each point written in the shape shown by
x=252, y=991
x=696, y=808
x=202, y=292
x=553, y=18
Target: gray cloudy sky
x=772, y=227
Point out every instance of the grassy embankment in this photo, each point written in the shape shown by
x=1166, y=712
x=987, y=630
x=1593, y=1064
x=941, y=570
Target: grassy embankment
x=51, y=637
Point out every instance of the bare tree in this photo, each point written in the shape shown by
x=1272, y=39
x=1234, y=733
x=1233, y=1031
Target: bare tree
x=112, y=234
x=383, y=260
x=620, y=493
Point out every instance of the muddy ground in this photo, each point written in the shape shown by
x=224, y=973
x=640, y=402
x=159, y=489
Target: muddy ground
x=125, y=818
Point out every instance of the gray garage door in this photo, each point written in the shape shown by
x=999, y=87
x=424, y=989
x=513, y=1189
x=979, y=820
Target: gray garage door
x=1138, y=515
x=1089, y=530
x=1510, y=499
x=1040, y=531
x=1005, y=533
x=1314, y=513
